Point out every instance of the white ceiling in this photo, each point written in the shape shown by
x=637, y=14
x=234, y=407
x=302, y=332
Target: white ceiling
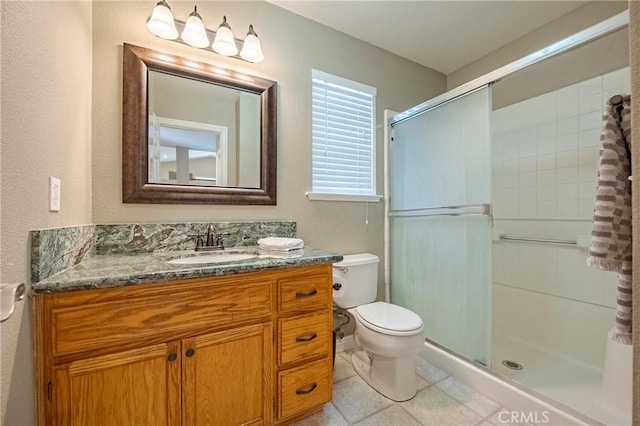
x=443, y=35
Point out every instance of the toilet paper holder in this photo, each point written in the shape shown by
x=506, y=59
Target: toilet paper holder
x=9, y=295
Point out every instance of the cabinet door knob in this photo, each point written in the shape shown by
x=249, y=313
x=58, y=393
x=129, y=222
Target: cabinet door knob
x=172, y=357
x=190, y=352
x=305, y=391
x=311, y=293
x=306, y=339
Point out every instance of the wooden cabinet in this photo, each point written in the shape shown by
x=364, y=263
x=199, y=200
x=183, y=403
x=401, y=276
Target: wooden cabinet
x=303, y=387
x=247, y=349
x=227, y=377
x=116, y=389
x=305, y=347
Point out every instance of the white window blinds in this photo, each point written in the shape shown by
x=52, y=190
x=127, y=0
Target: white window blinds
x=343, y=136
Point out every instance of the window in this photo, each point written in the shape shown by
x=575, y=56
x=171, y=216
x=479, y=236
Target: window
x=343, y=139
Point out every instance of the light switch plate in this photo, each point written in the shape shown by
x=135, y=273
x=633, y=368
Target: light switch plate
x=54, y=194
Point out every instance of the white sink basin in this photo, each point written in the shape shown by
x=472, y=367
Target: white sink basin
x=211, y=258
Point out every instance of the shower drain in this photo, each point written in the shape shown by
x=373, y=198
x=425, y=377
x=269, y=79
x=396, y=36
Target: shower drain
x=512, y=364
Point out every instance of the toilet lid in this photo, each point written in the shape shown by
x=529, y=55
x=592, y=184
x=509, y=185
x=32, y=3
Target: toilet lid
x=389, y=317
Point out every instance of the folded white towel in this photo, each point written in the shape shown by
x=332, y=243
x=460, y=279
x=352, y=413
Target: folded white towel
x=280, y=254
x=280, y=244
x=270, y=248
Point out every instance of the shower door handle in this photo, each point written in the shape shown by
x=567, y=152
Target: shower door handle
x=460, y=210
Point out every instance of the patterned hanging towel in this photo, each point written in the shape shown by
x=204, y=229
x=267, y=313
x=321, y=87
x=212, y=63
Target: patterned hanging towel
x=610, y=248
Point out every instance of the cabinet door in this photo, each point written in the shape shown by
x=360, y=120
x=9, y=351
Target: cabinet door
x=136, y=387
x=227, y=377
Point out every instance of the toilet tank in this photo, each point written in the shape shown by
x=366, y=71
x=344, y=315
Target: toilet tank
x=355, y=280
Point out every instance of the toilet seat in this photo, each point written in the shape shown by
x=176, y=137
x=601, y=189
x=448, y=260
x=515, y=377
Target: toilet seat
x=389, y=319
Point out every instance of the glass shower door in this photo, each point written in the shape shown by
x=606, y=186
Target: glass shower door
x=440, y=222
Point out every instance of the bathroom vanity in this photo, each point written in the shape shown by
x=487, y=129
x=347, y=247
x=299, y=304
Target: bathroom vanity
x=245, y=343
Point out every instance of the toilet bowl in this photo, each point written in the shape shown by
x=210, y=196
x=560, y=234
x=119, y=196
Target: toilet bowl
x=384, y=357
x=387, y=336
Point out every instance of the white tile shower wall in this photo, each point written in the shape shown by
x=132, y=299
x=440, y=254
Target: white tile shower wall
x=553, y=270
x=545, y=155
x=545, y=150
x=546, y=296
x=545, y=159
x=552, y=325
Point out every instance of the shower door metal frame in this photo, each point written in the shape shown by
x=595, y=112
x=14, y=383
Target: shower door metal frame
x=470, y=205
x=602, y=29
x=483, y=210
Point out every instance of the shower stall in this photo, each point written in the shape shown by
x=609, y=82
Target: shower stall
x=491, y=192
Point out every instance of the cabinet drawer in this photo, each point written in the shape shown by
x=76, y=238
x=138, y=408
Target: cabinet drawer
x=303, y=337
x=147, y=319
x=304, y=387
x=304, y=294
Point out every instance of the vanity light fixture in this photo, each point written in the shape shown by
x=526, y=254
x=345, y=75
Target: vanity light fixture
x=251, y=49
x=194, y=33
x=225, y=43
x=162, y=24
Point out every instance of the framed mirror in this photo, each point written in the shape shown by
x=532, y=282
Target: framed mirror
x=194, y=133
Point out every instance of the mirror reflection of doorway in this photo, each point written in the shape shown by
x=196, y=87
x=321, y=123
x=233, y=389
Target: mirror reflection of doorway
x=187, y=153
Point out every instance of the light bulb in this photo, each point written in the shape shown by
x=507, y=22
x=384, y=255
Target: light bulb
x=225, y=43
x=161, y=22
x=251, y=49
x=194, y=33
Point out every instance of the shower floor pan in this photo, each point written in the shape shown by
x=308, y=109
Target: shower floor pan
x=568, y=381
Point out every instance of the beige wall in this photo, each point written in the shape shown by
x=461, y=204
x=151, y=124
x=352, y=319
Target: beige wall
x=248, y=141
x=61, y=104
x=71, y=80
x=46, y=131
x=292, y=47
x=569, y=24
x=594, y=59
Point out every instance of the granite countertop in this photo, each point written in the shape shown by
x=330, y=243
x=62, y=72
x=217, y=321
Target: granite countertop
x=112, y=270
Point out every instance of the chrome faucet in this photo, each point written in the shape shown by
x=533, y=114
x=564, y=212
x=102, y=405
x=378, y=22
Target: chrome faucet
x=213, y=242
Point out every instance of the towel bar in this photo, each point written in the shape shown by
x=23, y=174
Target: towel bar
x=539, y=240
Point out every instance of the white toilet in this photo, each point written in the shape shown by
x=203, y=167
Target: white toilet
x=387, y=337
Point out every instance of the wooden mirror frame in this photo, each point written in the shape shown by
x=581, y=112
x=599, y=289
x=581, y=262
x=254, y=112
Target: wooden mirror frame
x=136, y=188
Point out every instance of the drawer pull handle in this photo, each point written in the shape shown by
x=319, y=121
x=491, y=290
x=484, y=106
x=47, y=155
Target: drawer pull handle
x=305, y=391
x=190, y=352
x=306, y=339
x=172, y=357
x=311, y=293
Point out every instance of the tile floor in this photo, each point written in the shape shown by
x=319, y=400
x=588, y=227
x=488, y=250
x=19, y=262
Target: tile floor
x=441, y=400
